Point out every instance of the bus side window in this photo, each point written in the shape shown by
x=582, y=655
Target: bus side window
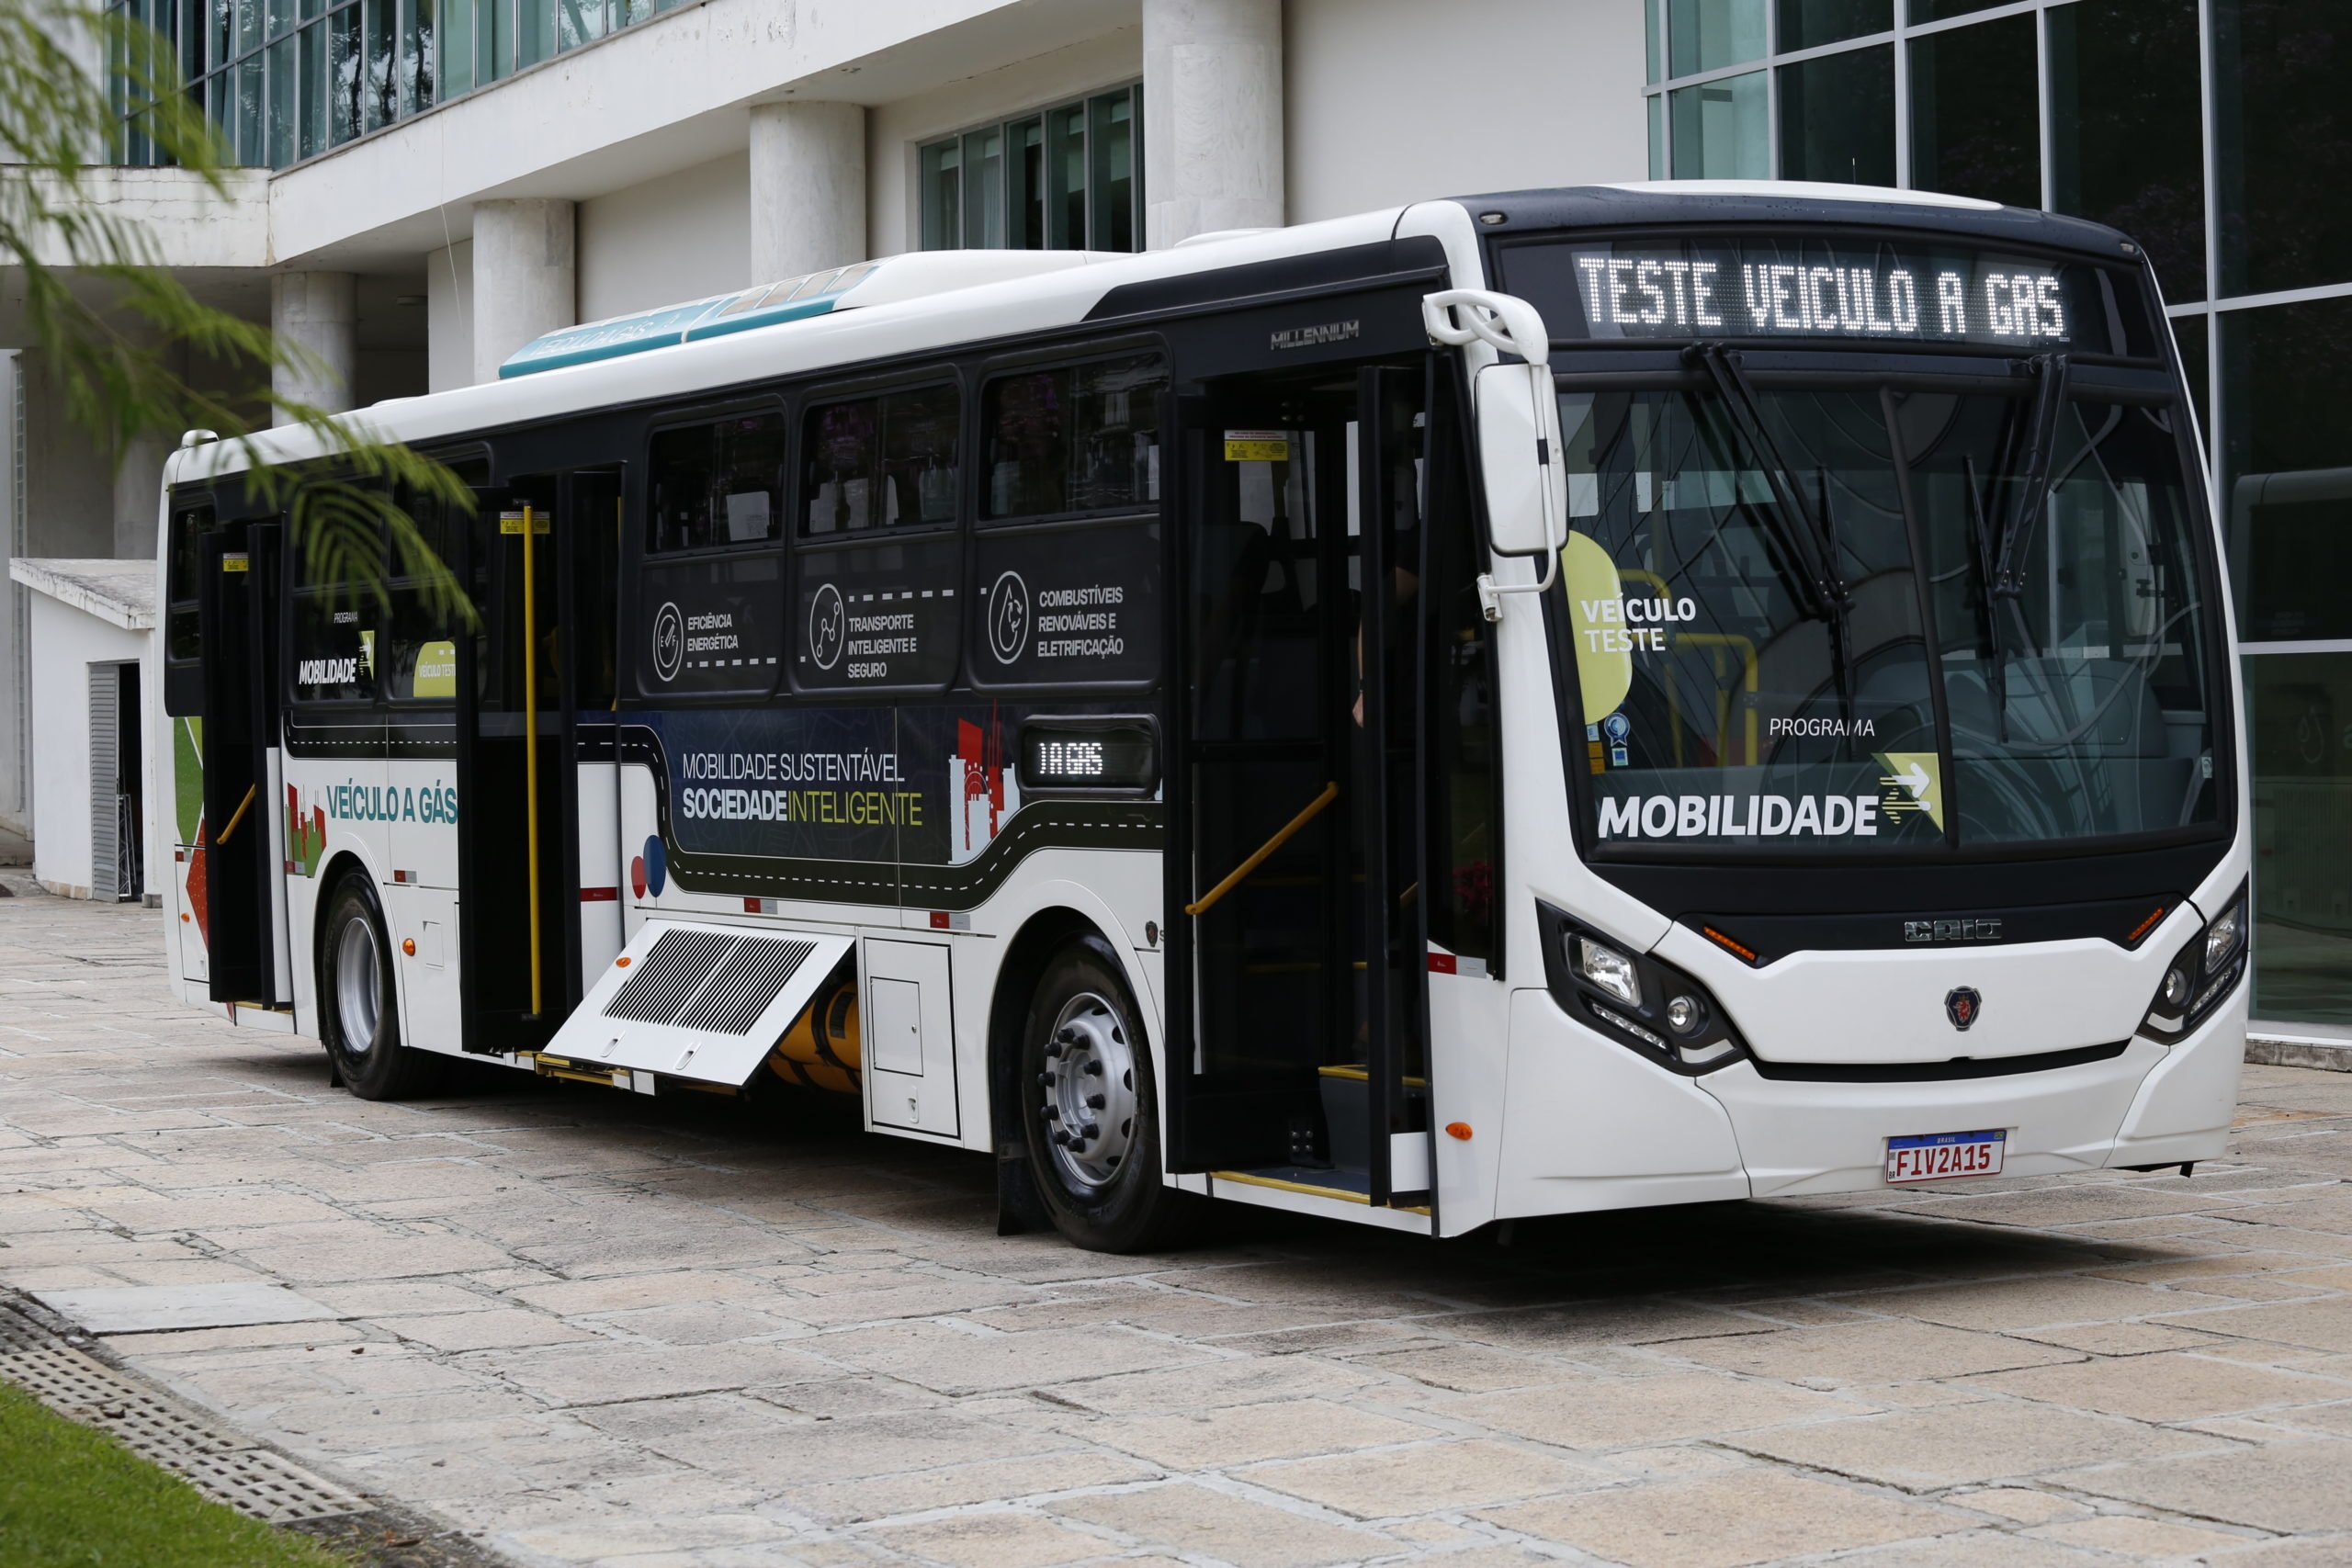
x=877, y=598
x=183, y=634
x=1076, y=438
x=418, y=660
x=715, y=485
x=1068, y=570
x=879, y=462
x=338, y=571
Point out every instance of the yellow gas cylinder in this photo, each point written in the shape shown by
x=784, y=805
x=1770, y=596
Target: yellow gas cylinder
x=820, y=1051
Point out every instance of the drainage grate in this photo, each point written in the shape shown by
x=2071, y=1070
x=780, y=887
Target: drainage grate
x=95, y=1395
x=252, y=1481
x=267, y=1487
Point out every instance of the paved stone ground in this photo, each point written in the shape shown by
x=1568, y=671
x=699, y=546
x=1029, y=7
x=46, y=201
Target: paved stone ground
x=596, y=1328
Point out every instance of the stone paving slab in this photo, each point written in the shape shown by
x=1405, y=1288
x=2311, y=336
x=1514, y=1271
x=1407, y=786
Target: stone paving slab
x=590, y=1328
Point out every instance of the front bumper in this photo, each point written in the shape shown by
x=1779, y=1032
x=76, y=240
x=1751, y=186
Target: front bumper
x=2154, y=1104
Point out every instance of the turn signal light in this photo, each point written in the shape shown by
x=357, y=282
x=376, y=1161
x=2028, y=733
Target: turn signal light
x=1458, y=1130
x=408, y=945
x=622, y=962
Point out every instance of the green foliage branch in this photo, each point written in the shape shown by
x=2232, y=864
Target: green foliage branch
x=118, y=330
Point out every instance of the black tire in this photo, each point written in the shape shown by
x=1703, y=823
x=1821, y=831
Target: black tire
x=1101, y=1176
x=364, y=1039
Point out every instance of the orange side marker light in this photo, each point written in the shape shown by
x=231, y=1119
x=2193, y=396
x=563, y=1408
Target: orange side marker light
x=622, y=961
x=1458, y=1130
x=408, y=945
x=183, y=917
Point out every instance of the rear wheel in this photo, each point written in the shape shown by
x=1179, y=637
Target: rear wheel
x=1091, y=1108
x=359, y=1005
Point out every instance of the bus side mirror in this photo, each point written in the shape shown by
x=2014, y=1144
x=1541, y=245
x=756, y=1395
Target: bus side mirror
x=1519, y=452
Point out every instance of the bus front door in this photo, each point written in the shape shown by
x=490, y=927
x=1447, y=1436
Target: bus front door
x=1296, y=985
x=245, y=890
x=516, y=894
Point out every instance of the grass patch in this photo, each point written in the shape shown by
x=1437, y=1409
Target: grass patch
x=71, y=1497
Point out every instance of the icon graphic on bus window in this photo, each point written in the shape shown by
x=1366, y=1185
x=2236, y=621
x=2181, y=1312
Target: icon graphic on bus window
x=828, y=626
x=669, y=641
x=1007, y=617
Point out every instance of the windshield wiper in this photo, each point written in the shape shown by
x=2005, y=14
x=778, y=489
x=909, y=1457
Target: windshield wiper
x=1997, y=552
x=1794, y=525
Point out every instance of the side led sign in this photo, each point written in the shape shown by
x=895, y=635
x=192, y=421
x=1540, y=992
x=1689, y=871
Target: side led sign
x=1085, y=754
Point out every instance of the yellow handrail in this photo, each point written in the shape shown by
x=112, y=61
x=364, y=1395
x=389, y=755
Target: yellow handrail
x=238, y=815
x=1282, y=836
x=531, y=743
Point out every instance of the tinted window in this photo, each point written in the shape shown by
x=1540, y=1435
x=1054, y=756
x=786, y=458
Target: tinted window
x=2281, y=142
x=340, y=611
x=2124, y=139
x=1074, y=438
x=420, y=651
x=879, y=462
x=718, y=484
x=1837, y=117
x=1974, y=119
x=188, y=531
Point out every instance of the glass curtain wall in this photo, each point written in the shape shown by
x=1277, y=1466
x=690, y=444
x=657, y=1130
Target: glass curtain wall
x=1067, y=178
x=286, y=79
x=2214, y=133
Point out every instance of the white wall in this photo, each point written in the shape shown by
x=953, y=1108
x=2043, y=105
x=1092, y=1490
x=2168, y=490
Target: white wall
x=894, y=130
x=449, y=317
x=66, y=642
x=677, y=238
x=1393, y=101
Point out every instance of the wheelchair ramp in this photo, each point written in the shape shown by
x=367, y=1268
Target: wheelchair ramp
x=696, y=1001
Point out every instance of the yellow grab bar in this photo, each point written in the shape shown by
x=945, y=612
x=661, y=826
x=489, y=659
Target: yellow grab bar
x=531, y=743
x=238, y=815
x=1282, y=836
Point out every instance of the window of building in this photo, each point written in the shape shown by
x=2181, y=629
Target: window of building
x=1066, y=178
x=1837, y=117
x=714, y=485
x=879, y=462
x=1975, y=121
x=286, y=80
x=1073, y=438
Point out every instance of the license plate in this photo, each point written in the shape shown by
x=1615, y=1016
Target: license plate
x=1943, y=1156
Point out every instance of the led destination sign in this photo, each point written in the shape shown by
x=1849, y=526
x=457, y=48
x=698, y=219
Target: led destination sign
x=1775, y=287
x=1087, y=754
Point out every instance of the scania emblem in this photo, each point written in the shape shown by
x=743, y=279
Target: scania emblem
x=1961, y=1004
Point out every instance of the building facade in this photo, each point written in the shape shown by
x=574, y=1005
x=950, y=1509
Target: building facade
x=432, y=182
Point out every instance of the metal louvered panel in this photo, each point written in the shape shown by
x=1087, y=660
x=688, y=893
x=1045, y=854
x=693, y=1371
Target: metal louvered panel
x=731, y=1001
x=105, y=785
x=702, y=1002
x=663, y=981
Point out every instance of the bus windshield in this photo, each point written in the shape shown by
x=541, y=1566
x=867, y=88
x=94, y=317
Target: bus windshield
x=1885, y=618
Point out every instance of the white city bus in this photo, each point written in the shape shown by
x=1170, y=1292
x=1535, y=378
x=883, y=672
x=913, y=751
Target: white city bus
x=1531, y=704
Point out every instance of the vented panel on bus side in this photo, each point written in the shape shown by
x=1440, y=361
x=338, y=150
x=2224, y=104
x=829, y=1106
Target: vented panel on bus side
x=702, y=1002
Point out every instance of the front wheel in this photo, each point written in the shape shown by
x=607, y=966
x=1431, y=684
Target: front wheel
x=1090, y=1108
x=359, y=1005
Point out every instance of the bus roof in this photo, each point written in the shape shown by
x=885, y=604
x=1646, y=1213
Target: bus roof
x=927, y=301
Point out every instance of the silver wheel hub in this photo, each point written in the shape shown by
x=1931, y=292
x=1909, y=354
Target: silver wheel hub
x=358, y=984
x=1088, y=1091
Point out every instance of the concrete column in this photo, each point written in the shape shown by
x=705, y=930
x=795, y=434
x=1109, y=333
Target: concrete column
x=525, y=277
x=1213, y=116
x=317, y=314
x=808, y=188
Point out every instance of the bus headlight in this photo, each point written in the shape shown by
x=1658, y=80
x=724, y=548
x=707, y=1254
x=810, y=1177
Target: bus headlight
x=1635, y=998
x=1609, y=969
x=2203, y=973
x=2221, y=937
